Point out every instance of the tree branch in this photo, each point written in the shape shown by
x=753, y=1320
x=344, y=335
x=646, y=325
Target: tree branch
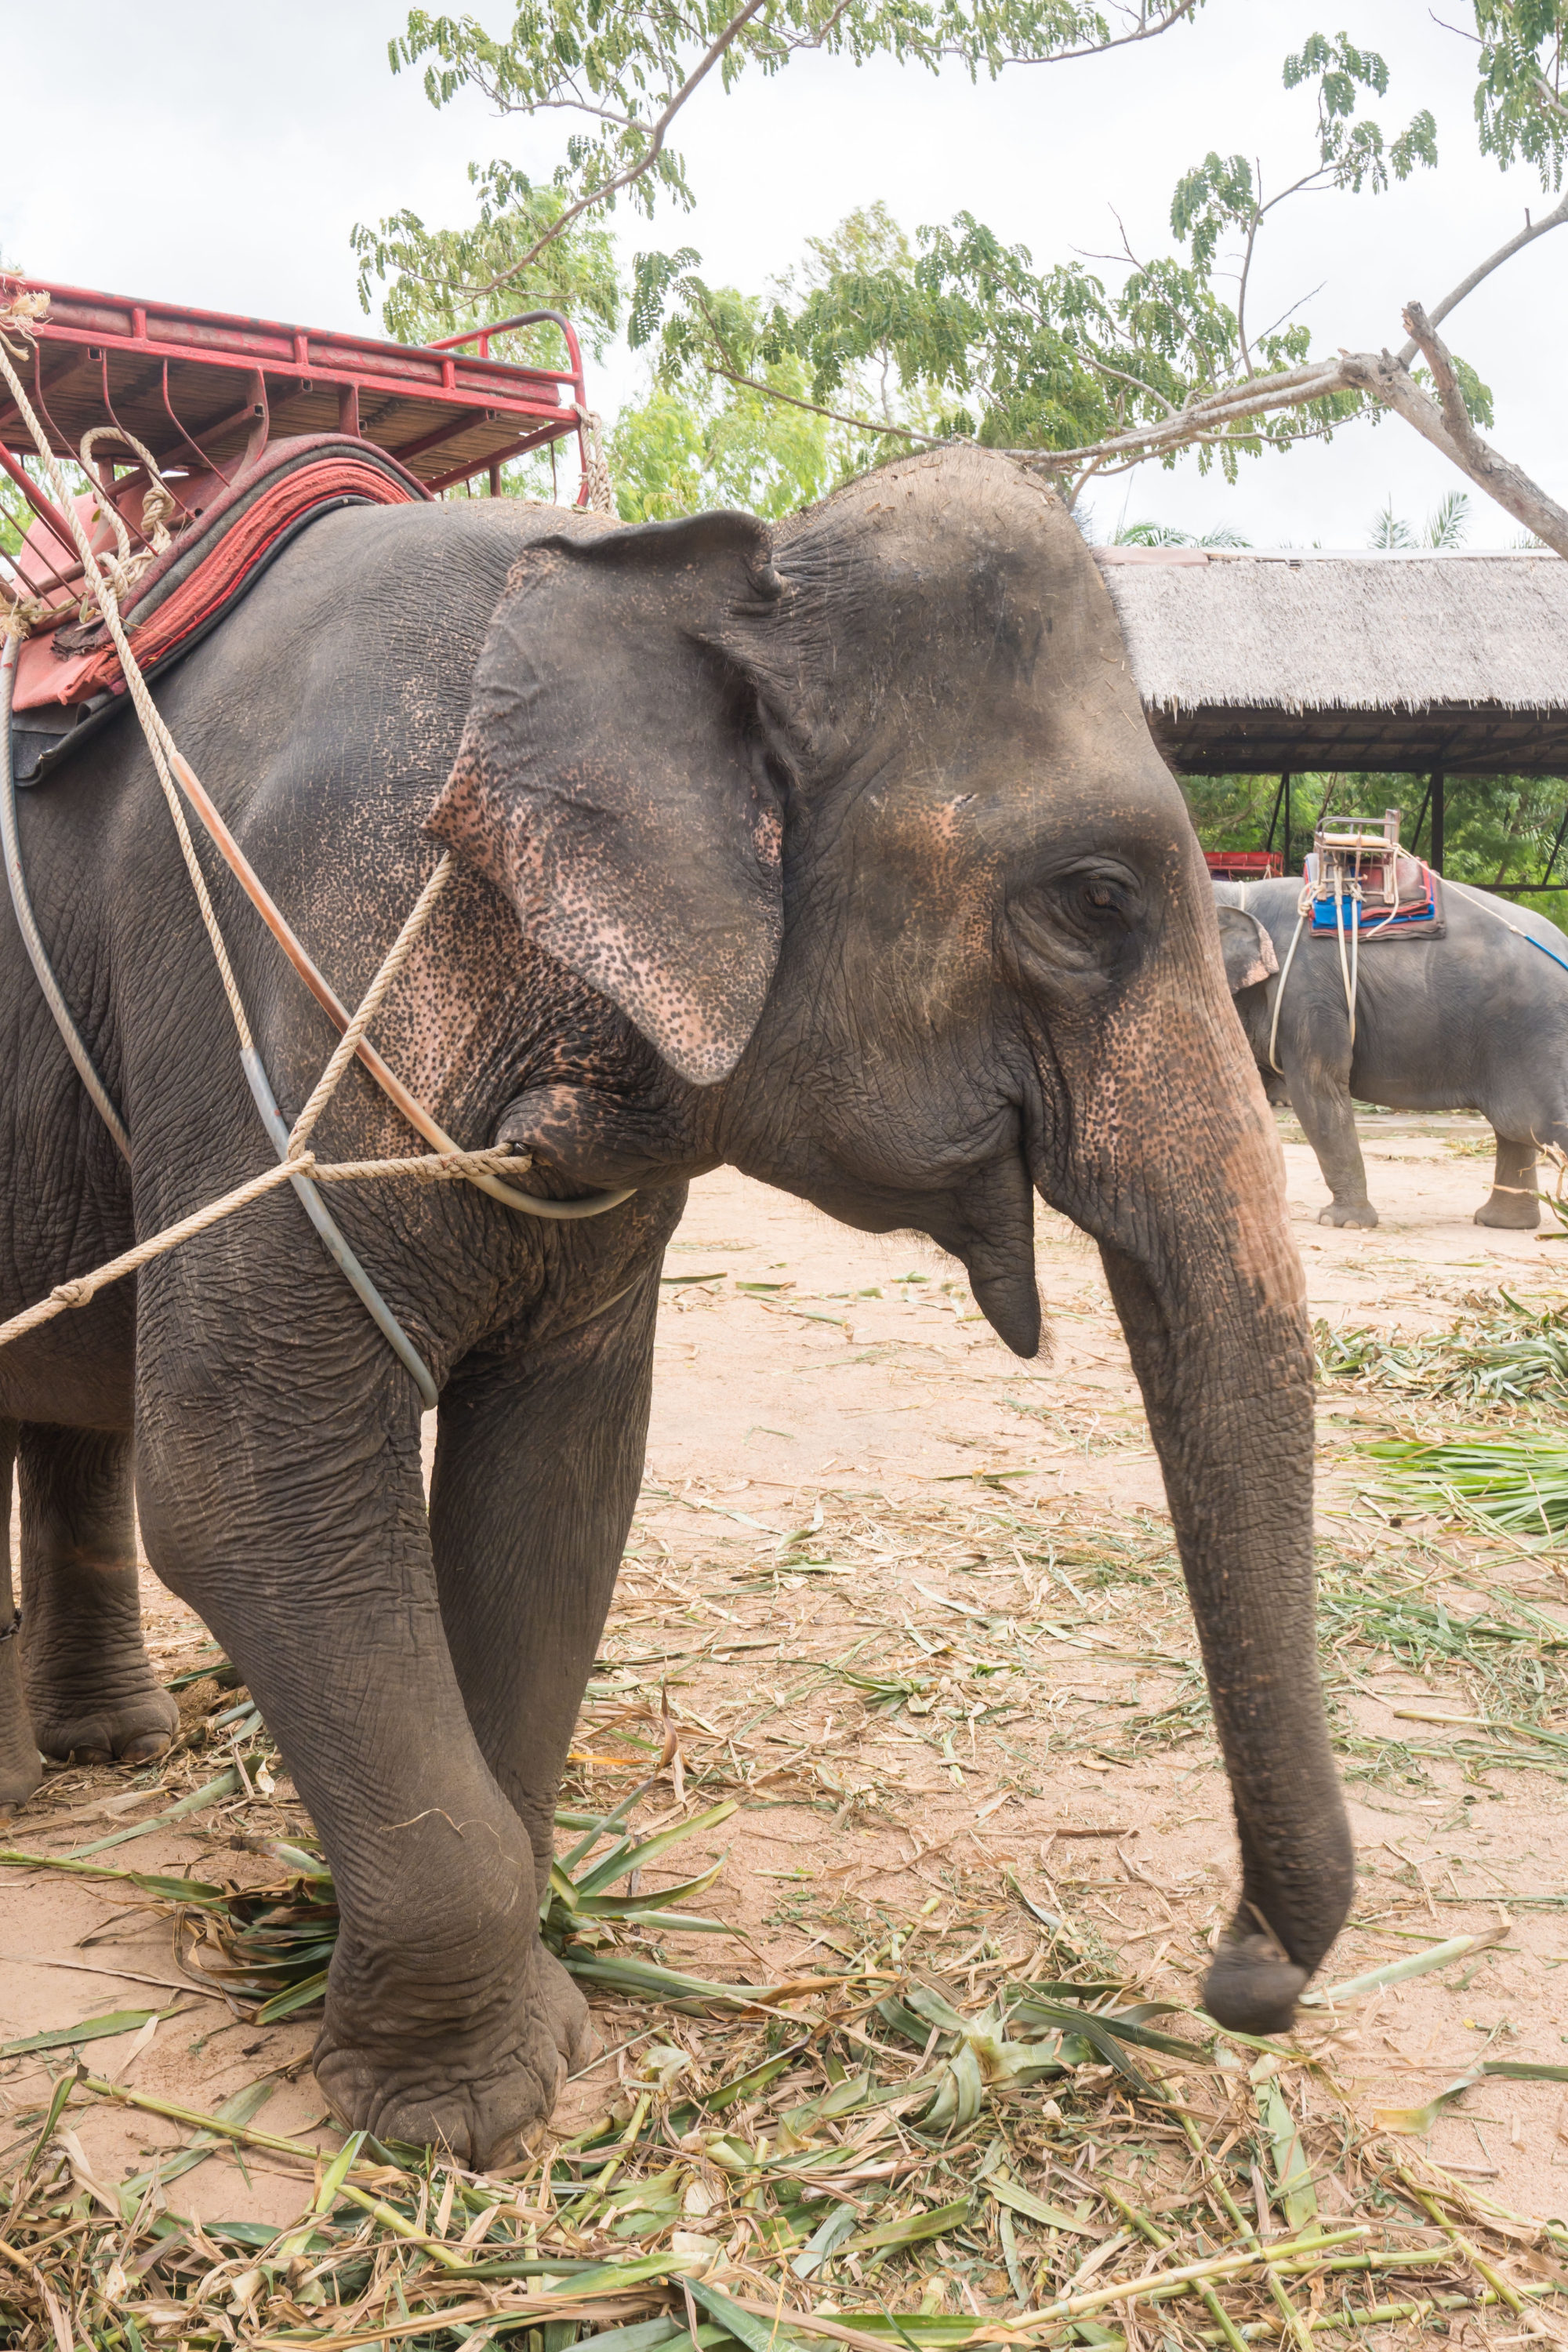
x=1175, y=15
x=645, y=162
x=836, y=415
x=1210, y=420
x=1527, y=236
x=1290, y=389
x=1451, y=430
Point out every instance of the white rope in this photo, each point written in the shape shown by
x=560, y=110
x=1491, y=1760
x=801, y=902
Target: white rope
x=160, y=743
x=99, y=574
x=432, y=1168
x=1350, y=974
x=349, y=1043
x=157, y=505
x=1279, y=992
x=600, y=497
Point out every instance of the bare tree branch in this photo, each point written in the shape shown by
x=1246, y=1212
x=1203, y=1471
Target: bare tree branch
x=835, y=415
x=1144, y=32
x=1527, y=236
x=1257, y=397
x=1452, y=431
x=645, y=162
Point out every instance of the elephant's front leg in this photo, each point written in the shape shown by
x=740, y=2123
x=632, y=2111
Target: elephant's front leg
x=282, y=1497
x=1318, y=1083
x=538, y=1464
x=91, y=1687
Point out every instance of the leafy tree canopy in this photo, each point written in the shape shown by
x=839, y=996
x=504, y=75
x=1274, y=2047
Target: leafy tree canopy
x=695, y=442
x=995, y=350
x=434, y=272
x=626, y=67
x=957, y=333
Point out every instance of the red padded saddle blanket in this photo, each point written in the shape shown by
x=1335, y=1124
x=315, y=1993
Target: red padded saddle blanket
x=227, y=532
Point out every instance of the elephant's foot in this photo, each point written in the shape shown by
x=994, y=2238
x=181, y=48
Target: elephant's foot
x=1511, y=1212
x=570, y=2020
x=89, y=1682
x=1347, y=1212
x=20, y=1770
x=129, y=1729
x=476, y=2090
x=1252, y=1987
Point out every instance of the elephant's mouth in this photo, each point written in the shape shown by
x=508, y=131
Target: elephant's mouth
x=995, y=1236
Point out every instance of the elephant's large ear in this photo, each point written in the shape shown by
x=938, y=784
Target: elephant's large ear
x=611, y=778
x=1249, y=954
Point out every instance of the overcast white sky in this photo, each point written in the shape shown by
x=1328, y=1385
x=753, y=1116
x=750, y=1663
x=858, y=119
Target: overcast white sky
x=221, y=157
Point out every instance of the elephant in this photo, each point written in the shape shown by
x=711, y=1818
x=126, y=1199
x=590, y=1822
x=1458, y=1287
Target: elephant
x=1472, y=1017
x=836, y=851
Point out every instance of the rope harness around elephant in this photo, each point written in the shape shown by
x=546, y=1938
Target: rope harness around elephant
x=1351, y=974
x=106, y=578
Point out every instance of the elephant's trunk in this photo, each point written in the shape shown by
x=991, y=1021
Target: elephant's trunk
x=1191, y=1223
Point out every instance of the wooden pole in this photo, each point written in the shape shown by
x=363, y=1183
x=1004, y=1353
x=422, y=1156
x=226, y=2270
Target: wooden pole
x=1438, y=851
x=1274, y=814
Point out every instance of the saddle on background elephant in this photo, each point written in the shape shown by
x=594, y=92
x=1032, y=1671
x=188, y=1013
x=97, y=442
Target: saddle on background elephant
x=1467, y=1010
x=837, y=851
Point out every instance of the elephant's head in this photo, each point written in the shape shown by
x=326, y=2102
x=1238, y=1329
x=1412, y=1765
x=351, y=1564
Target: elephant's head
x=860, y=823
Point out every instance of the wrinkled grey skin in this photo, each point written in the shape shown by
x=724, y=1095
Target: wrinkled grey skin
x=839, y=853
x=1474, y=1020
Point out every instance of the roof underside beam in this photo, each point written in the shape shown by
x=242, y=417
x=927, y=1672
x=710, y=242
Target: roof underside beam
x=1462, y=739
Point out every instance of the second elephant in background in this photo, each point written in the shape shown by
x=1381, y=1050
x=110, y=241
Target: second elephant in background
x=1472, y=1018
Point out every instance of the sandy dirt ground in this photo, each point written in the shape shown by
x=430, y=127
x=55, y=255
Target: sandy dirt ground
x=915, y=1604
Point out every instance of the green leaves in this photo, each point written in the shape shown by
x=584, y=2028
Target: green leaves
x=443, y=280
x=628, y=67
x=92, y=2029
x=1520, y=109
x=1517, y=1485
x=1216, y=194
x=704, y=435
x=1354, y=154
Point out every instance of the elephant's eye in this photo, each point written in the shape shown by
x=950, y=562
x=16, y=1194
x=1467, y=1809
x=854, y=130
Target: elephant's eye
x=1098, y=895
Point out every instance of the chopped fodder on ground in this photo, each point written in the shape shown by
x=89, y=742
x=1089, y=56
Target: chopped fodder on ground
x=1510, y=1353
x=961, y=2117
x=1516, y=1485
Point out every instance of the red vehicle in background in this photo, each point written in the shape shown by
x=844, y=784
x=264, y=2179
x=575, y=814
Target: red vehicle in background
x=1243, y=865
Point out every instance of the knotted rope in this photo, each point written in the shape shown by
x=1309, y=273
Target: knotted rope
x=108, y=577
x=431, y=1167
x=601, y=497
x=157, y=505
x=160, y=743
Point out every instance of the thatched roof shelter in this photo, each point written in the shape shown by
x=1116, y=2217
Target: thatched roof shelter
x=1255, y=662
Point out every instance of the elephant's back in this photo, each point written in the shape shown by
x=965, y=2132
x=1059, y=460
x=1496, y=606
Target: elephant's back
x=370, y=598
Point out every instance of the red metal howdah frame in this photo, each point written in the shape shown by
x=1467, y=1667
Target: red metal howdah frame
x=205, y=391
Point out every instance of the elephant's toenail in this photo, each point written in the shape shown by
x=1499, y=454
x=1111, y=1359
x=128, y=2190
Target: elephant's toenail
x=142, y=1749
